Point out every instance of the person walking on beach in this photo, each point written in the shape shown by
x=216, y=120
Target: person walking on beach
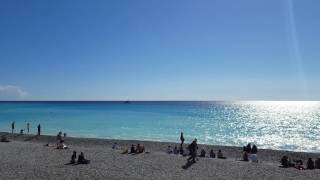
x=12, y=126
x=28, y=127
x=181, y=138
x=39, y=130
x=193, y=150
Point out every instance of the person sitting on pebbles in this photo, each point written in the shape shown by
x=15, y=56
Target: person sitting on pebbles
x=73, y=157
x=254, y=149
x=140, y=149
x=245, y=156
x=203, y=153
x=82, y=160
x=169, y=150
x=125, y=150
x=212, y=154
x=115, y=146
x=299, y=165
x=317, y=163
x=175, y=150
x=132, y=150
x=310, y=164
x=220, y=155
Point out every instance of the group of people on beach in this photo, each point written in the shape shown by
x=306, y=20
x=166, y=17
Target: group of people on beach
x=286, y=162
x=60, y=141
x=193, y=151
x=23, y=130
x=250, y=153
x=138, y=149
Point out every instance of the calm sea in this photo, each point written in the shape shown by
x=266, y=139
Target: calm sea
x=269, y=124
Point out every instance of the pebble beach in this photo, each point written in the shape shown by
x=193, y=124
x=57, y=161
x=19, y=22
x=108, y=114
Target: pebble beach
x=28, y=157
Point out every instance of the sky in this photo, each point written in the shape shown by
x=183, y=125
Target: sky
x=159, y=50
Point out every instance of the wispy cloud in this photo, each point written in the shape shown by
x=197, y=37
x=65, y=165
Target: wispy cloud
x=11, y=92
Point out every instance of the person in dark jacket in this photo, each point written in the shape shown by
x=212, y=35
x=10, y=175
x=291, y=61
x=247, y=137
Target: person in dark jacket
x=12, y=126
x=73, y=157
x=193, y=151
x=203, y=153
x=248, y=148
x=212, y=154
x=254, y=149
x=310, y=164
x=181, y=138
x=39, y=130
x=317, y=163
x=82, y=160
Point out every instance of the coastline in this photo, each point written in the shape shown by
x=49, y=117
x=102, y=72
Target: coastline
x=26, y=154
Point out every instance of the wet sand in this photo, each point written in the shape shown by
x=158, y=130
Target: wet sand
x=26, y=157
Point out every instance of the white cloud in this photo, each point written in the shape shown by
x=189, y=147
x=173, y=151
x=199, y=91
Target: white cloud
x=10, y=92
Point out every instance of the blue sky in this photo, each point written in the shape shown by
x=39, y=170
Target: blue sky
x=159, y=50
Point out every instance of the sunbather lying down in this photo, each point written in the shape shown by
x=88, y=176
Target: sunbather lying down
x=61, y=145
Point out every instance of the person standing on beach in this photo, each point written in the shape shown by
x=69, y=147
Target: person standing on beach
x=39, y=130
x=28, y=127
x=181, y=139
x=193, y=150
x=12, y=126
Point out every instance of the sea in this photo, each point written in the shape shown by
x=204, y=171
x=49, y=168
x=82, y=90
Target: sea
x=280, y=125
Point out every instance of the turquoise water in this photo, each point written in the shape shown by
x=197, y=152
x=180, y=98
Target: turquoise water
x=269, y=124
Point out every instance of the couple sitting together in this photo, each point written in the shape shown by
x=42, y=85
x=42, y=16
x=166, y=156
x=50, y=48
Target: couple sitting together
x=81, y=159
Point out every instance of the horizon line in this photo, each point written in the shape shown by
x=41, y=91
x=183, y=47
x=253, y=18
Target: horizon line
x=170, y=100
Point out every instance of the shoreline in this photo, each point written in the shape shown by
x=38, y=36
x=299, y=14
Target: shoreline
x=52, y=137
x=27, y=153
x=160, y=145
